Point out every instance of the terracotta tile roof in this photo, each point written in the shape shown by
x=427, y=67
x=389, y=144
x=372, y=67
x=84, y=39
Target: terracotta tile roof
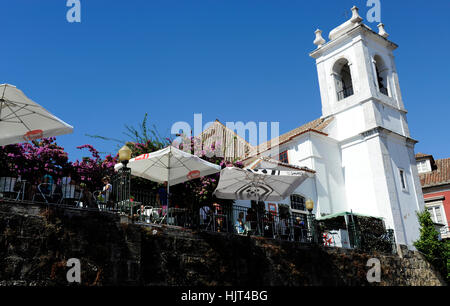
x=317, y=126
x=422, y=155
x=279, y=163
x=439, y=176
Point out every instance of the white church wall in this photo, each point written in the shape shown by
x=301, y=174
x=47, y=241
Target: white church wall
x=359, y=179
x=409, y=203
x=300, y=153
x=390, y=119
x=330, y=183
x=346, y=123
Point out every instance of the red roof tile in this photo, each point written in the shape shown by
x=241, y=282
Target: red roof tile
x=421, y=155
x=317, y=126
x=439, y=176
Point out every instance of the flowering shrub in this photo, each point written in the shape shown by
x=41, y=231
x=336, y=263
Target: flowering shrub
x=31, y=161
x=91, y=170
x=200, y=191
x=195, y=192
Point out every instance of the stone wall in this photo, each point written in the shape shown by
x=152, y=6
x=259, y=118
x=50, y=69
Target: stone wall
x=36, y=242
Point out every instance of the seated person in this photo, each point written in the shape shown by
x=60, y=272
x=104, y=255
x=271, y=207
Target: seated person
x=220, y=219
x=299, y=229
x=240, y=227
x=162, y=197
x=47, y=185
x=205, y=215
x=86, y=197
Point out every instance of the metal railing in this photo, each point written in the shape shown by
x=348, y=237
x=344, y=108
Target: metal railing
x=61, y=193
x=12, y=188
x=237, y=220
x=344, y=93
x=141, y=206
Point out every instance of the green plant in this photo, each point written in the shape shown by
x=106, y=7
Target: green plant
x=434, y=250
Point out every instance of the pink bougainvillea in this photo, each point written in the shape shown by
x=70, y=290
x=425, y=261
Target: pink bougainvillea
x=32, y=160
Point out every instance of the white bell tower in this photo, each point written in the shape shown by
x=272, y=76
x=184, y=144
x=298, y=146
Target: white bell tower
x=359, y=88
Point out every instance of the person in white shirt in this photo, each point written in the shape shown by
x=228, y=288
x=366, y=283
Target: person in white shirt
x=107, y=189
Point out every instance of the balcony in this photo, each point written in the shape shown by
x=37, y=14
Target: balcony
x=344, y=93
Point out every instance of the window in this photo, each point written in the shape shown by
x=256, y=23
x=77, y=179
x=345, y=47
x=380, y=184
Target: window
x=382, y=75
x=283, y=157
x=403, y=179
x=423, y=166
x=436, y=214
x=298, y=202
x=343, y=79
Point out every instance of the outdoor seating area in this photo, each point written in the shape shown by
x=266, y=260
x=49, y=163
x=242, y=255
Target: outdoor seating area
x=70, y=194
x=142, y=207
x=171, y=166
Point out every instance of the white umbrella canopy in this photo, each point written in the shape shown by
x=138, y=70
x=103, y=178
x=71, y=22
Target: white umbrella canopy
x=258, y=185
x=22, y=119
x=170, y=165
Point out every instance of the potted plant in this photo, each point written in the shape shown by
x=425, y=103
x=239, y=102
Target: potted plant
x=100, y=198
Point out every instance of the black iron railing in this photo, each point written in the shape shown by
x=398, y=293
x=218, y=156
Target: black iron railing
x=63, y=192
x=384, y=91
x=236, y=219
x=141, y=206
x=344, y=93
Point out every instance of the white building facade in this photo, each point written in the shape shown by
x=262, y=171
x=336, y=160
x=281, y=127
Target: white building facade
x=360, y=148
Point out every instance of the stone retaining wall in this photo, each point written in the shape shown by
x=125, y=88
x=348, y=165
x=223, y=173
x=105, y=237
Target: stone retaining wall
x=36, y=242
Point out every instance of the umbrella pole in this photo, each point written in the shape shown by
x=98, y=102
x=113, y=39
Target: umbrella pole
x=168, y=186
x=257, y=211
x=168, y=200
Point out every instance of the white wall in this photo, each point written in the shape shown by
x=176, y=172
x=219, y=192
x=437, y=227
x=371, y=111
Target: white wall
x=321, y=154
x=409, y=201
x=359, y=178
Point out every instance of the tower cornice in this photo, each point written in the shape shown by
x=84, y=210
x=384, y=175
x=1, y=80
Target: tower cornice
x=360, y=29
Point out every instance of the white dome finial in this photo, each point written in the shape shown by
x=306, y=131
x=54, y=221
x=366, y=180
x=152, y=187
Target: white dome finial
x=381, y=31
x=319, y=41
x=355, y=15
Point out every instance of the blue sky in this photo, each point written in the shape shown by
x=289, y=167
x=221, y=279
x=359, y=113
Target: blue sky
x=235, y=60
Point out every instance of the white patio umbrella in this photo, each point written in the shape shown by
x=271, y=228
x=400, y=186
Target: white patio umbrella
x=259, y=184
x=170, y=165
x=22, y=119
